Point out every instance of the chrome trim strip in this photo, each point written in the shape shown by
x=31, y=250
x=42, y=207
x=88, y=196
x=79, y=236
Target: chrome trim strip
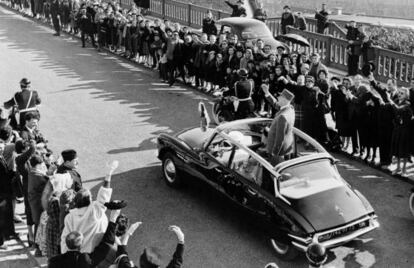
x=299, y=246
x=301, y=239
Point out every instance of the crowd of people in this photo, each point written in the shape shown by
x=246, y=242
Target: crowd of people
x=61, y=216
x=211, y=61
x=396, y=39
x=63, y=221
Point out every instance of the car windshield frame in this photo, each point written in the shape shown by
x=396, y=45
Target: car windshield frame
x=242, y=29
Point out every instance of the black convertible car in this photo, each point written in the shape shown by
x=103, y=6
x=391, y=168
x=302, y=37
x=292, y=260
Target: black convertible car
x=300, y=200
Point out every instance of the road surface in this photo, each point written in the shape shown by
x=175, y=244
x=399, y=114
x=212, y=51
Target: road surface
x=107, y=108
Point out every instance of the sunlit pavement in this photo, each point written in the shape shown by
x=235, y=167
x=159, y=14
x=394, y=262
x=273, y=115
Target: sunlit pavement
x=108, y=108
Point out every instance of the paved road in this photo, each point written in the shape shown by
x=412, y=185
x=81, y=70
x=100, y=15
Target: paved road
x=107, y=109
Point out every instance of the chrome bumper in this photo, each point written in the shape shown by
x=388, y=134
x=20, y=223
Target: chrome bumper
x=302, y=243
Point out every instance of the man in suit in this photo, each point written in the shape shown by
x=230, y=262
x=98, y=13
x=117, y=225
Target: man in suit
x=55, y=13
x=280, y=136
x=287, y=19
x=237, y=9
x=74, y=258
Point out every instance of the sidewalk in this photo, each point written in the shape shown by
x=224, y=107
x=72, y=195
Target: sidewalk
x=18, y=254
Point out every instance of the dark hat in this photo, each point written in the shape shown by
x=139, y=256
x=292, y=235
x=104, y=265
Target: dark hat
x=335, y=78
x=19, y=146
x=240, y=1
x=69, y=155
x=288, y=7
x=115, y=204
x=150, y=258
x=242, y=72
x=287, y=95
x=368, y=68
x=282, y=47
x=310, y=78
x=24, y=82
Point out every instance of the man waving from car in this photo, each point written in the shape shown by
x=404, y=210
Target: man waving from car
x=280, y=136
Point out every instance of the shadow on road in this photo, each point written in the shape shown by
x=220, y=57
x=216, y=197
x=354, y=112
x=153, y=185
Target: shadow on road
x=112, y=79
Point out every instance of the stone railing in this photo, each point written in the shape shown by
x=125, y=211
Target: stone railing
x=333, y=51
x=334, y=29
x=186, y=14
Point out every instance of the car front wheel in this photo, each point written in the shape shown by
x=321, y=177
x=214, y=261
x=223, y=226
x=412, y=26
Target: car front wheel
x=170, y=171
x=285, y=251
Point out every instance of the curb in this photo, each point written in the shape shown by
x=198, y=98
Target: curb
x=377, y=167
x=349, y=156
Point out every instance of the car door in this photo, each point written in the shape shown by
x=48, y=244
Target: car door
x=212, y=161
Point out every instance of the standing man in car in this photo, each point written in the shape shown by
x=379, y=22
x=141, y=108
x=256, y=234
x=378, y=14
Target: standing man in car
x=26, y=101
x=280, y=136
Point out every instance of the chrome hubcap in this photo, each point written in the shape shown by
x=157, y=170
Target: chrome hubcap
x=169, y=170
x=279, y=247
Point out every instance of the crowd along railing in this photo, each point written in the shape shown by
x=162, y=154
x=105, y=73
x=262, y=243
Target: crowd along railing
x=331, y=45
x=389, y=64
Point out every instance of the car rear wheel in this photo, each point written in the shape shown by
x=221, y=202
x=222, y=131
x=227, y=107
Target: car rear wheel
x=411, y=203
x=283, y=251
x=170, y=171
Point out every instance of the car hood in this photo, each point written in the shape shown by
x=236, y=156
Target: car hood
x=330, y=208
x=195, y=136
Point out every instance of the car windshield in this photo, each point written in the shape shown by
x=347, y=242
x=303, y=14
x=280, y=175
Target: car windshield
x=308, y=177
x=255, y=31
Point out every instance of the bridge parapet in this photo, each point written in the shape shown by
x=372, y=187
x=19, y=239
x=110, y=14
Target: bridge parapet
x=333, y=51
x=332, y=45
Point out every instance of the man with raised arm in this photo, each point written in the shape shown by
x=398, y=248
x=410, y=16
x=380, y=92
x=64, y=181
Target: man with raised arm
x=280, y=136
x=88, y=217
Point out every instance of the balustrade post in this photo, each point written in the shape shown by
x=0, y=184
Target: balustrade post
x=189, y=14
x=163, y=9
x=377, y=62
x=328, y=50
